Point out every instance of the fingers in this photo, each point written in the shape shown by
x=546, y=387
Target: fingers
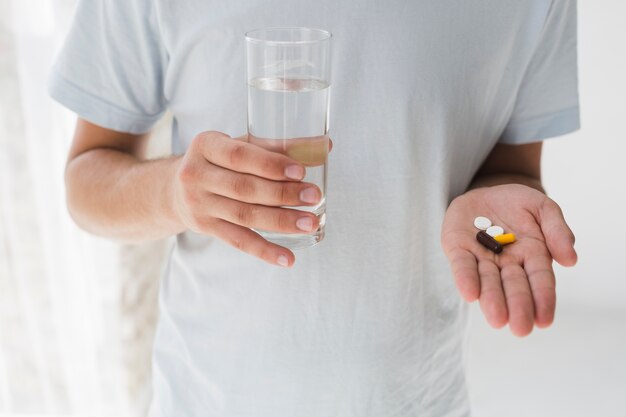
x=492, y=302
x=236, y=155
x=465, y=272
x=518, y=299
x=558, y=235
x=226, y=186
x=252, y=243
x=261, y=217
x=506, y=296
x=542, y=283
x=252, y=189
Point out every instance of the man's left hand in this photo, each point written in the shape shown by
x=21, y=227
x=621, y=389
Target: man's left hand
x=516, y=286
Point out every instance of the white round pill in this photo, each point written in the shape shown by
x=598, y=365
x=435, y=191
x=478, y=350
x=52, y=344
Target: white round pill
x=494, y=231
x=482, y=223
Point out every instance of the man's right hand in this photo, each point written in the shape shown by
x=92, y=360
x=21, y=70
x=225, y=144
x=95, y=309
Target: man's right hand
x=225, y=186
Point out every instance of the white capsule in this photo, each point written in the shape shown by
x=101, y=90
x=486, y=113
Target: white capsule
x=482, y=223
x=494, y=231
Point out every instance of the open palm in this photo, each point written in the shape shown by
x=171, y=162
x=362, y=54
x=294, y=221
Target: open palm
x=516, y=286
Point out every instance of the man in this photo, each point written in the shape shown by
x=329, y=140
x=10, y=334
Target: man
x=432, y=103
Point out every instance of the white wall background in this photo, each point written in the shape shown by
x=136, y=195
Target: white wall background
x=77, y=313
x=577, y=367
x=586, y=171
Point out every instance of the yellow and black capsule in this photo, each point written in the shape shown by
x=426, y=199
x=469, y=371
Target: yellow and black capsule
x=489, y=242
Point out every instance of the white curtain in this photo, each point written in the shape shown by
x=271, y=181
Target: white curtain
x=77, y=313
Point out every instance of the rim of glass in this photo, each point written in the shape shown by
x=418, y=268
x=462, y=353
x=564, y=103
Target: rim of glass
x=326, y=35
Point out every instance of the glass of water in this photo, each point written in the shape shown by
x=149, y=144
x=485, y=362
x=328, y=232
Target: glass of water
x=288, y=108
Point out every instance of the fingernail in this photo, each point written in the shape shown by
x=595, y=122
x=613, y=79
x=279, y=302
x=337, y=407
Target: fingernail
x=305, y=223
x=295, y=172
x=309, y=195
x=282, y=260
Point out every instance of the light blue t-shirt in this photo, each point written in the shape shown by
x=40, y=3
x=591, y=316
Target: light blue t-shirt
x=368, y=323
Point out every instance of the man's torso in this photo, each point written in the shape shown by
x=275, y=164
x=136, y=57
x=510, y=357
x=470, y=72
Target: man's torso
x=368, y=322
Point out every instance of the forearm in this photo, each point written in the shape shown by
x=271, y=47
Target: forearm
x=113, y=194
x=511, y=164
x=505, y=178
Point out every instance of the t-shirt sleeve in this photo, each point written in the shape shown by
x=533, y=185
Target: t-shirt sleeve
x=547, y=101
x=111, y=68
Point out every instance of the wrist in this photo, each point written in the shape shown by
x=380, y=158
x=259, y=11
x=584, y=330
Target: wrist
x=171, y=214
x=492, y=180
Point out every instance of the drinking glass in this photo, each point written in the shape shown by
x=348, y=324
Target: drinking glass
x=288, y=108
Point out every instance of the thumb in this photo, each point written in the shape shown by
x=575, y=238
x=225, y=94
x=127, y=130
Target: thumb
x=559, y=237
x=309, y=151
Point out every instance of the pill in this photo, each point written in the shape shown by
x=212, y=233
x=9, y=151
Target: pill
x=482, y=223
x=494, y=231
x=488, y=242
x=505, y=239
